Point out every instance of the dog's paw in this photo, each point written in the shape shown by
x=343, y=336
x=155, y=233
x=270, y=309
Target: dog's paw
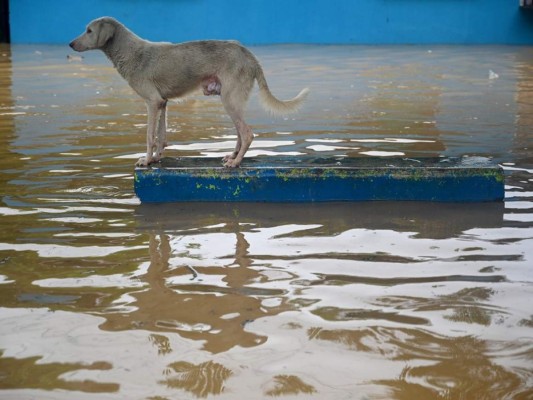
x=229, y=157
x=232, y=163
x=142, y=162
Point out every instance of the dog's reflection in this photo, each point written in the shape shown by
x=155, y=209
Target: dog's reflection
x=181, y=298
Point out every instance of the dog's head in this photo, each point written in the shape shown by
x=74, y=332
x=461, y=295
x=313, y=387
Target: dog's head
x=96, y=36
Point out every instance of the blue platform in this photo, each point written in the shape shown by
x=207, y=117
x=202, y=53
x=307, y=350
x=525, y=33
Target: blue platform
x=311, y=179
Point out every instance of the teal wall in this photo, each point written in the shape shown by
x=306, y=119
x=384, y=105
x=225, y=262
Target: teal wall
x=283, y=21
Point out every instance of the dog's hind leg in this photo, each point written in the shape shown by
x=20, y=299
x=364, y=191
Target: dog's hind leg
x=244, y=141
x=234, y=97
x=232, y=156
x=245, y=137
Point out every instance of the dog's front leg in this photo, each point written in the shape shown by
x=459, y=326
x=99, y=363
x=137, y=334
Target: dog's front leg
x=161, y=133
x=154, y=110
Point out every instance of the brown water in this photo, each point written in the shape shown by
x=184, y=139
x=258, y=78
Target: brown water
x=104, y=298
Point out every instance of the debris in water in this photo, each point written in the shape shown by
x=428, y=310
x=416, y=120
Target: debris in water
x=72, y=58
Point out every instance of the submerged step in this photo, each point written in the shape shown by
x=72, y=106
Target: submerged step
x=312, y=179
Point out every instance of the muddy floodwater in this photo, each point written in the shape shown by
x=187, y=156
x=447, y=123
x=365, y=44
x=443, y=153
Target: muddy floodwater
x=102, y=297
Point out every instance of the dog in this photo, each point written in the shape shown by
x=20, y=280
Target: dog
x=161, y=71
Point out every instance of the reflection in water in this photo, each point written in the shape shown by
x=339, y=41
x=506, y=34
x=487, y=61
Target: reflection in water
x=32, y=373
x=465, y=371
x=104, y=298
x=284, y=385
x=468, y=305
x=202, y=380
x=421, y=220
x=456, y=368
x=215, y=301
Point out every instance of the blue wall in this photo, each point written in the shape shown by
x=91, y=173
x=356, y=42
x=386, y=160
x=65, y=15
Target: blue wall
x=282, y=21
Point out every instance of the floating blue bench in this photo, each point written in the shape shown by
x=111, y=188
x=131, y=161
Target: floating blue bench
x=312, y=179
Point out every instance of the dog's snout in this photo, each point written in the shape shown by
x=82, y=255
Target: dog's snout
x=71, y=44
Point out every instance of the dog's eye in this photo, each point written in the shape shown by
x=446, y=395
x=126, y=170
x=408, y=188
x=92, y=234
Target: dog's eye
x=89, y=30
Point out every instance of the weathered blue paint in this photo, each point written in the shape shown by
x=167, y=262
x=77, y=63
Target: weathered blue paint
x=318, y=180
x=283, y=21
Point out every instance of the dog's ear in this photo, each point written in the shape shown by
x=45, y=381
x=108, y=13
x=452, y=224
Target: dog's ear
x=105, y=32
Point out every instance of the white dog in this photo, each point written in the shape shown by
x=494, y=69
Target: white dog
x=160, y=71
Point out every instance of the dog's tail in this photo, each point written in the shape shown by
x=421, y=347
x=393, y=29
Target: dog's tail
x=272, y=104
